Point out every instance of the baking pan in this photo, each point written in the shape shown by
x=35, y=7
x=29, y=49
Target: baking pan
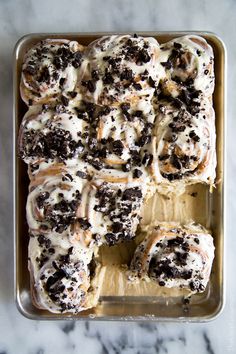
x=118, y=300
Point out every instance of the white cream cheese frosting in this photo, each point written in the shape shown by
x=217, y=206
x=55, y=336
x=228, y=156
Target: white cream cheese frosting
x=175, y=255
x=108, y=125
x=121, y=68
x=51, y=68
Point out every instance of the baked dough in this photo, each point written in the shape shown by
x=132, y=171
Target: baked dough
x=183, y=145
x=175, y=256
x=50, y=70
x=121, y=68
x=107, y=127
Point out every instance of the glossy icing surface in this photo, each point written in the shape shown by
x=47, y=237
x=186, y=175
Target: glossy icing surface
x=176, y=256
x=113, y=123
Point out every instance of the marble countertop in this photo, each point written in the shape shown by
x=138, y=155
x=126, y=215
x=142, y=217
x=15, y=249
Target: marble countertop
x=19, y=335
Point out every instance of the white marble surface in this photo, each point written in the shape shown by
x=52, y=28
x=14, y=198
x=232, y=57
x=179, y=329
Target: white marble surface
x=19, y=335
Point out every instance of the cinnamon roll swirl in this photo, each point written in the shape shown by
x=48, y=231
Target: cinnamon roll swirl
x=51, y=133
x=50, y=70
x=176, y=256
x=62, y=276
x=111, y=207
x=121, y=68
x=183, y=144
x=53, y=204
x=123, y=134
x=188, y=60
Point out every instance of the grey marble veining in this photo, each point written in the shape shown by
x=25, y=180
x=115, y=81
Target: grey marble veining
x=19, y=335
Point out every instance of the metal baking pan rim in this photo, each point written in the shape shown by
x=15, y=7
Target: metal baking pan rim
x=19, y=305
